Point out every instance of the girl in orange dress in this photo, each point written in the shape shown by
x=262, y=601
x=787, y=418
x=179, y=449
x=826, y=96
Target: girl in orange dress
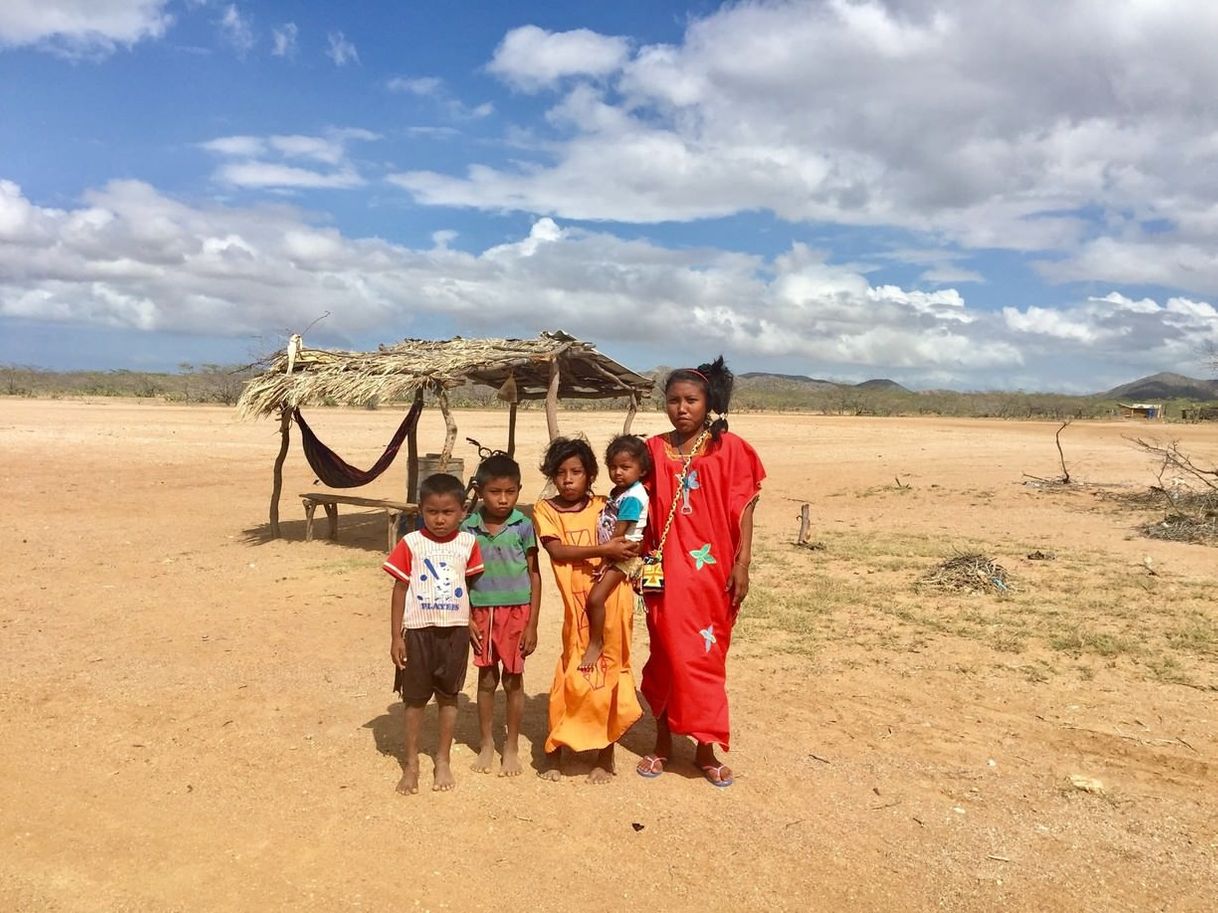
x=589, y=709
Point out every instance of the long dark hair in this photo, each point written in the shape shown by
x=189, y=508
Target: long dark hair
x=562, y=449
x=716, y=382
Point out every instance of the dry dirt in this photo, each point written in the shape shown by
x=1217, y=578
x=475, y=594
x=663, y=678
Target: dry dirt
x=194, y=717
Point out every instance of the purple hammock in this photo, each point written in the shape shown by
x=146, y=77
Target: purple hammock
x=336, y=472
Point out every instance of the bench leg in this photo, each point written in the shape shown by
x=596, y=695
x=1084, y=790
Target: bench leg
x=309, y=508
x=392, y=527
x=332, y=516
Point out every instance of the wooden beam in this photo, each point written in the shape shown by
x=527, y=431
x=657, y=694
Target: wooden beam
x=511, y=444
x=412, y=456
x=552, y=400
x=285, y=433
x=634, y=407
x=450, y=436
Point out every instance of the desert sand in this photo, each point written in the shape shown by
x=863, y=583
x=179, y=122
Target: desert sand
x=197, y=718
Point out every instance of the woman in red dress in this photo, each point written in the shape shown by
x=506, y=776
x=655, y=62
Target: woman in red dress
x=706, y=555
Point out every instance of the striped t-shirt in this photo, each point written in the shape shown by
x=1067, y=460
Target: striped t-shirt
x=436, y=571
x=505, y=578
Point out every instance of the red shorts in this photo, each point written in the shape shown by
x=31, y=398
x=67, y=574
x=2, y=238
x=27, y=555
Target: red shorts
x=501, y=628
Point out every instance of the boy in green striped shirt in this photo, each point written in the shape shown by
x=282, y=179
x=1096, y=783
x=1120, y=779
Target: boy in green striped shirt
x=504, y=601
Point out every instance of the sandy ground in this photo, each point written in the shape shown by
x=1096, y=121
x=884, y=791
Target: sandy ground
x=194, y=717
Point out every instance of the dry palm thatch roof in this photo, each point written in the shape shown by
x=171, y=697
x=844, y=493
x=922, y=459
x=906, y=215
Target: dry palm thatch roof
x=298, y=376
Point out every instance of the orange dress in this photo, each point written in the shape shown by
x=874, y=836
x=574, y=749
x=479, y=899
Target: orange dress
x=587, y=710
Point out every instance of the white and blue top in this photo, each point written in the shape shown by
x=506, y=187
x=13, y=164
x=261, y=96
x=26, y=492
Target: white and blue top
x=629, y=505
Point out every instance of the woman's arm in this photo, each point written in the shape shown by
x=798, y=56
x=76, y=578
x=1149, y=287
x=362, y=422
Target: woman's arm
x=738, y=582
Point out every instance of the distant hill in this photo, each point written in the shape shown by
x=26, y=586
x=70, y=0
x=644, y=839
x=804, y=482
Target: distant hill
x=882, y=383
x=761, y=380
x=768, y=379
x=1165, y=385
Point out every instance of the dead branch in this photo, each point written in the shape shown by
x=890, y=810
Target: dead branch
x=1173, y=457
x=1058, y=438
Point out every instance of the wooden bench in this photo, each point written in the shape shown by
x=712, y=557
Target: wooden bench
x=393, y=510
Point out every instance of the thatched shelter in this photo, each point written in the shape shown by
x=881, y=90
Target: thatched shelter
x=550, y=367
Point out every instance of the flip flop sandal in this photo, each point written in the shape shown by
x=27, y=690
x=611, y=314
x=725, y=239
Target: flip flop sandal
x=714, y=776
x=651, y=766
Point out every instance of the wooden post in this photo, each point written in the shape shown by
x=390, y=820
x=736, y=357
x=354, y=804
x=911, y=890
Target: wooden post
x=450, y=436
x=511, y=444
x=285, y=430
x=634, y=407
x=412, y=455
x=552, y=401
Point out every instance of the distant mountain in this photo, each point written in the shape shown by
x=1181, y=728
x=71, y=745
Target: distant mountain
x=765, y=380
x=882, y=383
x=768, y=379
x=1165, y=385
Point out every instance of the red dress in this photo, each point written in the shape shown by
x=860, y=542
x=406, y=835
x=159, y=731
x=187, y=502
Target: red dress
x=691, y=621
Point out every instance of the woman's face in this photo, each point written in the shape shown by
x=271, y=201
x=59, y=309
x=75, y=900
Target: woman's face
x=686, y=405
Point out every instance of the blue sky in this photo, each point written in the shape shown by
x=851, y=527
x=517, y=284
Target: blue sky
x=964, y=194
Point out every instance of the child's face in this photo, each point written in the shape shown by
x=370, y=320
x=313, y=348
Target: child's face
x=442, y=514
x=685, y=403
x=624, y=469
x=571, y=480
x=499, y=496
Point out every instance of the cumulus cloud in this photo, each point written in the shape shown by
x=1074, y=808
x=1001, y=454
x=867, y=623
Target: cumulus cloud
x=283, y=40
x=237, y=29
x=340, y=50
x=530, y=58
x=274, y=161
x=1023, y=126
x=81, y=28
x=131, y=256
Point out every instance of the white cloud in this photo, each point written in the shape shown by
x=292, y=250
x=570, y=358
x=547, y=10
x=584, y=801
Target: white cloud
x=252, y=168
x=434, y=88
x=237, y=29
x=271, y=174
x=340, y=50
x=420, y=85
x=283, y=40
x=131, y=256
x=1026, y=126
x=81, y=28
x=531, y=58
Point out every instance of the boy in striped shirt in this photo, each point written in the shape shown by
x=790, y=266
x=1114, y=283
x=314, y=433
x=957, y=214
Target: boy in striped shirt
x=429, y=620
x=504, y=603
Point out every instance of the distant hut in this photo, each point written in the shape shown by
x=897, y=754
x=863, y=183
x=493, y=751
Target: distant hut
x=1146, y=411
x=551, y=367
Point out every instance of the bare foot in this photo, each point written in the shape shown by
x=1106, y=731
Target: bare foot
x=603, y=771
x=444, y=777
x=485, y=760
x=511, y=764
x=551, y=771
x=592, y=655
x=409, y=784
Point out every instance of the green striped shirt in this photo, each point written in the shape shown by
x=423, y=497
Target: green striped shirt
x=505, y=580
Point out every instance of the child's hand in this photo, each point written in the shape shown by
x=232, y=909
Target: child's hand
x=475, y=637
x=528, y=641
x=620, y=548
x=738, y=583
x=397, y=651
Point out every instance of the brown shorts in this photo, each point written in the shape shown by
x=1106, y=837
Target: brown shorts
x=436, y=660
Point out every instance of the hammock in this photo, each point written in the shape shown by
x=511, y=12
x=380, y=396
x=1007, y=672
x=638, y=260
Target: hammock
x=336, y=472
